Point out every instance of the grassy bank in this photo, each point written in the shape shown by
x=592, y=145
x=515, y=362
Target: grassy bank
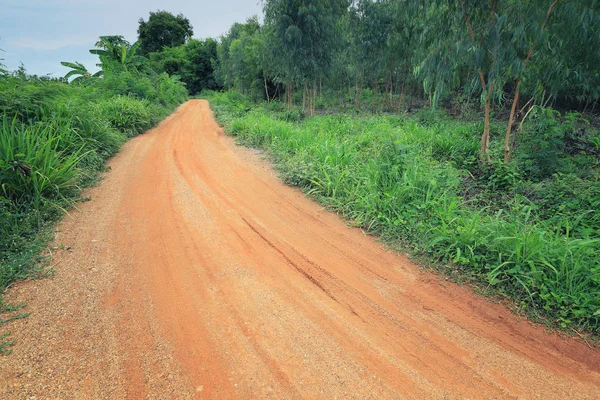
x=528, y=230
x=54, y=139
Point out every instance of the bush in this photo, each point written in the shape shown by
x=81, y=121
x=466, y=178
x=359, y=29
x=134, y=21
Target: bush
x=552, y=144
x=127, y=114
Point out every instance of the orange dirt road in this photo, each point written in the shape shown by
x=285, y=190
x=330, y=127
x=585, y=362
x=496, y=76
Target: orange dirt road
x=194, y=273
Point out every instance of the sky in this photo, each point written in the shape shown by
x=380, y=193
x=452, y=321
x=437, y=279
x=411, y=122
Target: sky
x=42, y=33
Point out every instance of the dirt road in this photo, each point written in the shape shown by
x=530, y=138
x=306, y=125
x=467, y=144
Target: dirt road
x=194, y=273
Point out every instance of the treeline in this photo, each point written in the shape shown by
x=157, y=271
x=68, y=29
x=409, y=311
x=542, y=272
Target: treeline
x=497, y=55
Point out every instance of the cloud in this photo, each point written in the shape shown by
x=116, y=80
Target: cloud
x=50, y=44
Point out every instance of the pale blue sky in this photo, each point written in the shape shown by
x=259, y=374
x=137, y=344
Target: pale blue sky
x=42, y=33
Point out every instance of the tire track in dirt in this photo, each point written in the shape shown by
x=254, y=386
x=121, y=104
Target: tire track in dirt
x=194, y=273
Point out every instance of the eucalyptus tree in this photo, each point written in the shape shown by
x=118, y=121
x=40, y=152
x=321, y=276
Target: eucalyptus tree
x=530, y=32
x=566, y=67
x=372, y=30
x=239, y=55
x=462, y=33
x=408, y=25
x=303, y=41
x=344, y=69
x=494, y=41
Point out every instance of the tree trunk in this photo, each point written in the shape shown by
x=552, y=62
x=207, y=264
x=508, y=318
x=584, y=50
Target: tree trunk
x=392, y=84
x=485, y=138
x=290, y=94
x=309, y=97
x=304, y=98
x=320, y=86
x=314, y=101
x=507, y=150
x=511, y=119
x=402, y=99
x=356, y=83
x=373, y=98
x=266, y=89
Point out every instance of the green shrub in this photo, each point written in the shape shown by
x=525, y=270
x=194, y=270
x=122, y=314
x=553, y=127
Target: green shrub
x=127, y=114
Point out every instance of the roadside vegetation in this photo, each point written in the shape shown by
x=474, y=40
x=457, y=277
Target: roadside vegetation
x=416, y=181
x=464, y=131
x=56, y=135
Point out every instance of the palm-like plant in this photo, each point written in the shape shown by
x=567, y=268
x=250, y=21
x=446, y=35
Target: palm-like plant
x=79, y=71
x=116, y=52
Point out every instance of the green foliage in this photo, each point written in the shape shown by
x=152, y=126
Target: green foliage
x=36, y=163
x=569, y=203
x=245, y=60
x=25, y=99
x=127, y=114
x=116, y=54
x=161, y=89
x=397, y=55
x=163, y=29
x=403, y=179
x=303, y=36
x=192, y=62
x=550, y=142
x=80, y=72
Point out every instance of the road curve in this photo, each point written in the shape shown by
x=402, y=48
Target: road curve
x=194, y=273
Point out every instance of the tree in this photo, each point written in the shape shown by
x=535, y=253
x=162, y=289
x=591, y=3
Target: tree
x=534, y=39
x=372, y=33
x=493, y=41
x=303, y=41
x=244, y=61
x=228, y=51
x=163, y=29
x=193, y=62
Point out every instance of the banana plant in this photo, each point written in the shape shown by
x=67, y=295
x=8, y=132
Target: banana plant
x=80, y=72
x=118, y=53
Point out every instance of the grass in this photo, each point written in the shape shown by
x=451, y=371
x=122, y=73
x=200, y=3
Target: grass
x=416, y=181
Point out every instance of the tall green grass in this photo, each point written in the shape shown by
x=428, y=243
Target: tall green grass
x=404, y=179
